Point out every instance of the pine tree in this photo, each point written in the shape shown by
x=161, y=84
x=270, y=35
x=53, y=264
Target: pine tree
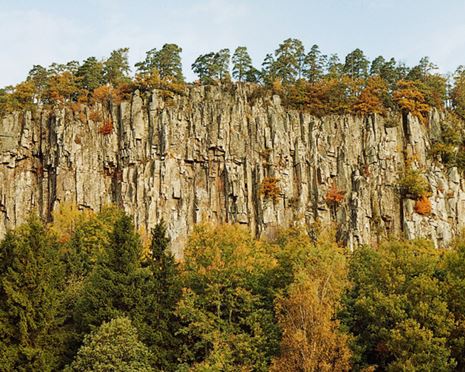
x=212, y=66
x=314, y=64
x=334, y=67
x=31, y=283
x=356, y=64
x=90, y=74
x=290, y=60
x=166, y=62
x=116, y=67
x=39, y=76
x=221, y=64
x=242, y=64
x=202, y=66
x=268, y=72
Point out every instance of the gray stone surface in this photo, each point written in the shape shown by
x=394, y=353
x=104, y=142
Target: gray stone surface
x=202, y=157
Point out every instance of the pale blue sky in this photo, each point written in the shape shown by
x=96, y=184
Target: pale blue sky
x=46, y=31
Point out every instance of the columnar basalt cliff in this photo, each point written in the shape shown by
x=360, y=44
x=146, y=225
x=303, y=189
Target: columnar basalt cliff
x=203, y=156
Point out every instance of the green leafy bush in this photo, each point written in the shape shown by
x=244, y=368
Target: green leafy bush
x=413, y=184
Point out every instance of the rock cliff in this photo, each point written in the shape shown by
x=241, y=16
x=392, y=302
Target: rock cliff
x=203, y=155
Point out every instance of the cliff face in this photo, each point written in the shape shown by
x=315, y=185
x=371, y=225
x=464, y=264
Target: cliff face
x=203, y=156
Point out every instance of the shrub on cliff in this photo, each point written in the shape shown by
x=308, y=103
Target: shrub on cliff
x=269, y=189
x=413, y=184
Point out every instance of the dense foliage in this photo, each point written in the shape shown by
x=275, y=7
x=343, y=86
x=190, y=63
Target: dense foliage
x=84, y=293
x=307, y=80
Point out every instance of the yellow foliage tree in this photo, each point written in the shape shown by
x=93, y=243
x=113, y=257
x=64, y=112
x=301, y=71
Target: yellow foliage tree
x=371, y=97
x=62, y=87
x=410, y=99
x=65, y=220
x=311, y=338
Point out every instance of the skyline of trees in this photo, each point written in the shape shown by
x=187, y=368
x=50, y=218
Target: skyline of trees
x=320, y=83
x=291, y=62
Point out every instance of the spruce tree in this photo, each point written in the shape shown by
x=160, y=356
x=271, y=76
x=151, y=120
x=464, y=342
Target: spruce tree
x=31, y=283
x=168, y=291
x=121, y=286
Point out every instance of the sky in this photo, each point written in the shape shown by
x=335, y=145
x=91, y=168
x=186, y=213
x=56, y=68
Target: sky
x=46, y=31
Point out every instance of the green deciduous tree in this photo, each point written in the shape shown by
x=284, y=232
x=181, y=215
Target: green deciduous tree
x=114, y=346
x=397, y=309
x=455, y=289
x=227, y=321
x=312, y=339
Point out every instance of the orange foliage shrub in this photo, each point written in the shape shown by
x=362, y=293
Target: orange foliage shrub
x=106, y=128
x=423, y=206
x=327, y=96
x=334, y=196
x=270, y=189
x=82, y=117
x=123, y=92
x=103, y=94
x=22, y=96
x=62, y=87
x=75, y=106
x=371, y=97
x=277, y=86
x=95, y=116
x=409, y=98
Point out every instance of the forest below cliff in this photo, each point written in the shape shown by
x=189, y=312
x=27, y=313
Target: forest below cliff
x=90, y=293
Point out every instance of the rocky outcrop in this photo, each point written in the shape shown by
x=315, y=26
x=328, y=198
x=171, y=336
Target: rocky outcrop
x=203, y=155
